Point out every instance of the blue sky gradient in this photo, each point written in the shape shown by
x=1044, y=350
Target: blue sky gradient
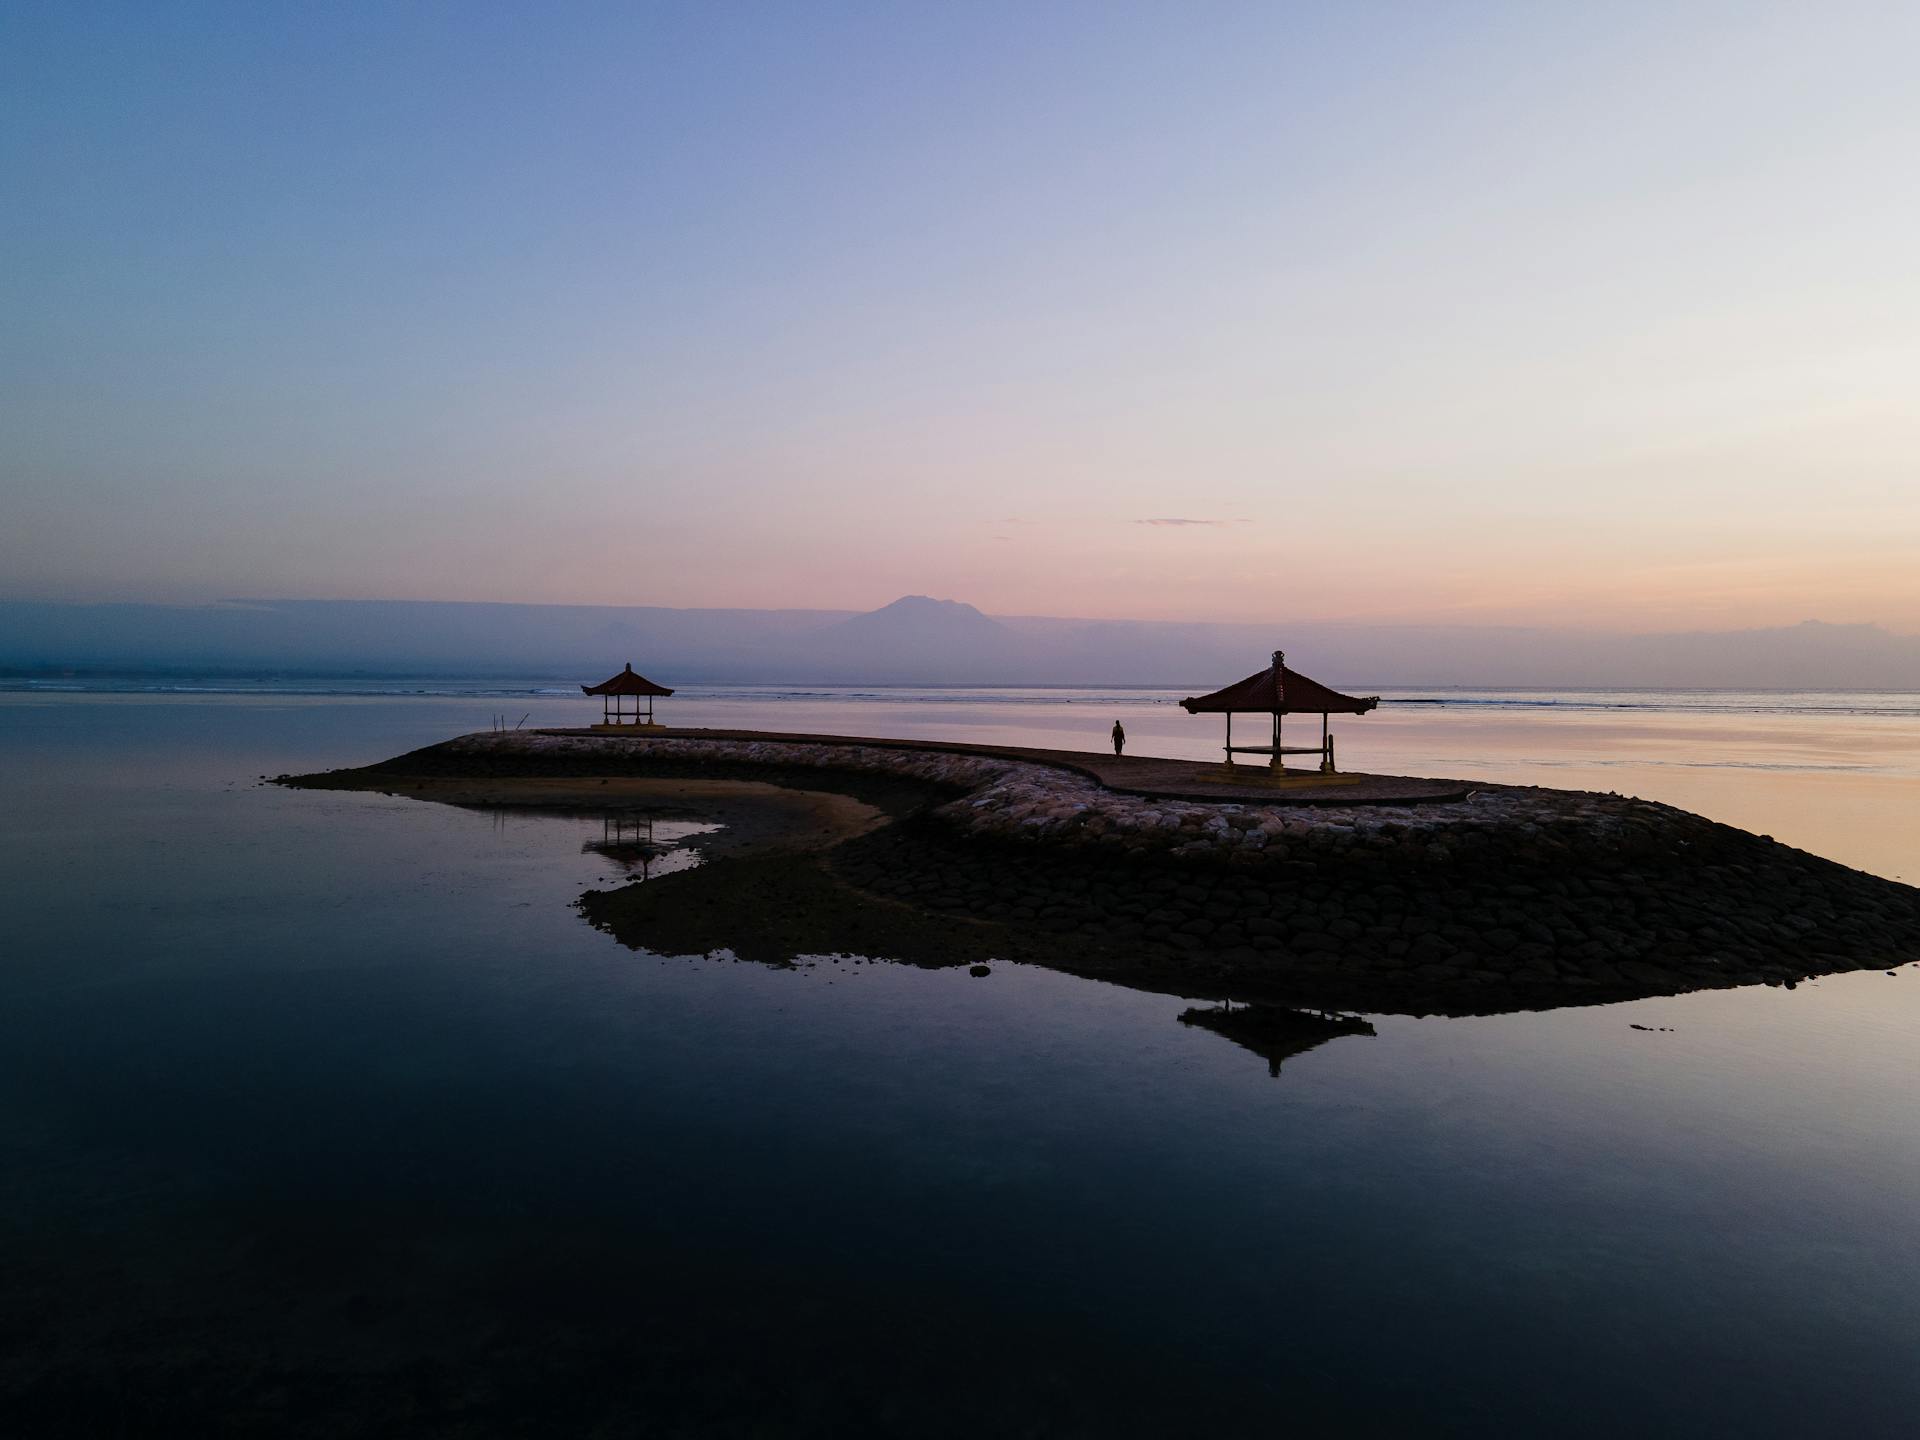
x=1567, y=313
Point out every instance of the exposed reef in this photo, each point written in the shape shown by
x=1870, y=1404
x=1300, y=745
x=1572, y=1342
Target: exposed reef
x=1509, y=897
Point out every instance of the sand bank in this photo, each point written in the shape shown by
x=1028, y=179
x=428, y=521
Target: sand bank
x=755, y=814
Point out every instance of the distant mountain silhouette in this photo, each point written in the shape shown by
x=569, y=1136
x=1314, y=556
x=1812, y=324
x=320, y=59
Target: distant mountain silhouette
x=915, y=640
x=921, y=617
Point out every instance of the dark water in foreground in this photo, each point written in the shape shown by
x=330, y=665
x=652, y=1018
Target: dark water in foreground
x=325, y=1113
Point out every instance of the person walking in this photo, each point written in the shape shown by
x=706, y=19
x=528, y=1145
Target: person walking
x=1119, y=737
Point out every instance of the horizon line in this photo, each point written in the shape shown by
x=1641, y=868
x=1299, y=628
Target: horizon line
x=267, y=602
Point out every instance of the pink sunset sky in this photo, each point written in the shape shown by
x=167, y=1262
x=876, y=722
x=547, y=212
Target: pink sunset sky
x=1592, y=316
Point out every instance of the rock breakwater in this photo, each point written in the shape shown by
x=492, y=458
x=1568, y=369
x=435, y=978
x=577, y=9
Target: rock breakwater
x=1511, y=896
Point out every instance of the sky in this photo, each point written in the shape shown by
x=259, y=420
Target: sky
x=1567, y=314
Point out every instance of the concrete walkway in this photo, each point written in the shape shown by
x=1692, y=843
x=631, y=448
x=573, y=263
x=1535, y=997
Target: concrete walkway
x=1129, y=774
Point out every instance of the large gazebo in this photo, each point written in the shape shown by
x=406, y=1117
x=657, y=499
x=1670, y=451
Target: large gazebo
x=613, y=710
x=1278, y=691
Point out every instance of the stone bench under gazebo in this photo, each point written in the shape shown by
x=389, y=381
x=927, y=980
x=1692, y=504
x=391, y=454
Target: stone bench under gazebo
x=615, y=714
x=1278, y=691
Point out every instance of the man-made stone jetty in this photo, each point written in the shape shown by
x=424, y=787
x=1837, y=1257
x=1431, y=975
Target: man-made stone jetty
x=1455, y=897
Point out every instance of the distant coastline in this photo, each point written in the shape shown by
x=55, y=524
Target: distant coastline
x=919, y=641
x=1724, y=699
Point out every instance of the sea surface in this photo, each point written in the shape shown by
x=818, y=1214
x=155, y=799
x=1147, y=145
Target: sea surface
x=325, y=1113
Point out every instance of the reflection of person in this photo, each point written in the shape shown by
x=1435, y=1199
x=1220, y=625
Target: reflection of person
x=1119, y=738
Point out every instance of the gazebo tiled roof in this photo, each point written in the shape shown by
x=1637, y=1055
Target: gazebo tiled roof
x=1278, y=690
x=626, y=683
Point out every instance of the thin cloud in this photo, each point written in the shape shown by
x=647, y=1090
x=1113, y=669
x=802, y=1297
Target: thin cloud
x=1175, y=520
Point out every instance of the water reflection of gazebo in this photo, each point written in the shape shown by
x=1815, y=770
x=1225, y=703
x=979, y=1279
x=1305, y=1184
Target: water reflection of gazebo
x=1274, y=1033
x=614, y=693
x=1278, y=691
x=627, y=839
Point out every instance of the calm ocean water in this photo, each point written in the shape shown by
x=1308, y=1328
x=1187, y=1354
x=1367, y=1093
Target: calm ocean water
x=324, y=1113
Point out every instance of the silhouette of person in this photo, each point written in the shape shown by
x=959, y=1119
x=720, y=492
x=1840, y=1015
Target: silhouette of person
x=1119, y=737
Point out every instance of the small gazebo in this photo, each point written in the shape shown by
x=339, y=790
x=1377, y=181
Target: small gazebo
x=1278, y=691
x=613, y=710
